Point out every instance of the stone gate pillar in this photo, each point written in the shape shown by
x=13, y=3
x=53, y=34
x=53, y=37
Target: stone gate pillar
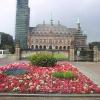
x=96, y=54
x=71, y=53
x=18, y=51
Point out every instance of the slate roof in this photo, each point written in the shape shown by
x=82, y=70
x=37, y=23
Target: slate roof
x=53, y=29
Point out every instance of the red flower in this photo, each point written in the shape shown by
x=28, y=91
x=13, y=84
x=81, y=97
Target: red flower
x=98, y=90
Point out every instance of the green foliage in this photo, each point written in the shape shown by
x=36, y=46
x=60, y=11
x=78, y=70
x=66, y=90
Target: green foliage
x=67, y=75
x=92, y=44
x=44, y=60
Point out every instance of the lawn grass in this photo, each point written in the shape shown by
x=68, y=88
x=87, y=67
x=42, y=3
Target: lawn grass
x=60, y=56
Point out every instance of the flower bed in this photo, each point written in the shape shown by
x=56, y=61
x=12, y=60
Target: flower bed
x=40, y=80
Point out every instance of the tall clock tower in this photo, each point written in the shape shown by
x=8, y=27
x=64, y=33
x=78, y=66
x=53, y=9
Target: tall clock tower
x=22, y=23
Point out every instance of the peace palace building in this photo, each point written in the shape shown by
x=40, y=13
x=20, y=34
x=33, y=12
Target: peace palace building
x=46, y=36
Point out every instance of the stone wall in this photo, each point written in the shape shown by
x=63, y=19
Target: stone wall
x=99, y=56
x=96, y=54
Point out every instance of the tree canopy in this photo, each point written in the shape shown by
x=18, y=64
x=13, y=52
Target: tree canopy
x=6, y=42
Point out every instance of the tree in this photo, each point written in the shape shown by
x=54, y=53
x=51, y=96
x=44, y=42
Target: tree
x=92, y=44
x=6, y=42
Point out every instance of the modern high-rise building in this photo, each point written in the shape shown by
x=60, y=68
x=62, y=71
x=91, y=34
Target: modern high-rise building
x=22, y=23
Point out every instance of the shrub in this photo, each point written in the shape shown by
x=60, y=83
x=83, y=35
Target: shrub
x=67, y=75
x=44, y=60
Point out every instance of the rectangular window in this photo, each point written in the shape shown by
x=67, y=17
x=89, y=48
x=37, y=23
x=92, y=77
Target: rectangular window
x=36, y=40
x=44, y=40
x=0, y=52
x=50, y=40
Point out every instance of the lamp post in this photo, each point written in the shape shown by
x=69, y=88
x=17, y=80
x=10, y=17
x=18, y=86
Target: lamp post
x=78, y=54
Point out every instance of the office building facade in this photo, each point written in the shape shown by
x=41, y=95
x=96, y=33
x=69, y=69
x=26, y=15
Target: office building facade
x=22, y=23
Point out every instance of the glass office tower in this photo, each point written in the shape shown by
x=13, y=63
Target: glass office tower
x=22, y=23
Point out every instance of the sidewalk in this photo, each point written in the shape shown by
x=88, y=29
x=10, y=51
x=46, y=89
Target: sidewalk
x=9, y=59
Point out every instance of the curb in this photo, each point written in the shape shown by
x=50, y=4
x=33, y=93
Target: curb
x=48, y=95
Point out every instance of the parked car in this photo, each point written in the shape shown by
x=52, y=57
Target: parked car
x=3, y=53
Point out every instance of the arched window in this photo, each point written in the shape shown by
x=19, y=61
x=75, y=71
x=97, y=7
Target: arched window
x=40, y=47
x=68, y=47
x=44, y=47
x=60, y=47
x=44, y=41
x=50, y=47
x=56, y=47
x=50, y=40
x=64, y=47
x=36, y=47
x=32, y=47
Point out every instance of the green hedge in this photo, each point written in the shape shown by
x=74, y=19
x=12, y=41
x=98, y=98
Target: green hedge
x=67, y=75
x=44, y=60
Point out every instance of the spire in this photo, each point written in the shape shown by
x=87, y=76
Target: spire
x=78, y=24
x=58, y=22
x=51, y=20
x=43, y=22
x=78, y=20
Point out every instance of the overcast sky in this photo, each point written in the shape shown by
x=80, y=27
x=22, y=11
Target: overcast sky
x=67, y=11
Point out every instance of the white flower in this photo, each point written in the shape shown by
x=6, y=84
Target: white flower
x=31, y=83
x=20, y=81
x=37, y=87
x=86, y=85
x=28, y=77
x=42, y=81
x=25, y=83
x=16, y=88
x=54, y=82
x=73, y=88
x=37, y=75
x=92, y=91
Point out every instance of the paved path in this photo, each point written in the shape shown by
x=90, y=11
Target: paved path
x=7, y=60
x=90, y=69
x=49, y=98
